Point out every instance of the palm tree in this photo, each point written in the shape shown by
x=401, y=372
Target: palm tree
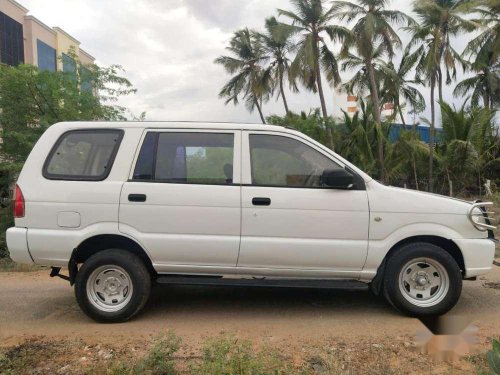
x=438, y=20
x=392, y=82
x=484, y=84
x=406, y=154
x=359, y=84
x=359, y=138
x=469, y=143
x=397, y=87
x=485, y=48
x=488, y=41
x=276, y=45
x=250, y=80
x=311, y=21
x=372, y=30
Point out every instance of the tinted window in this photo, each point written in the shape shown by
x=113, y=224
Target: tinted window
x=69, y=66
x=83, y=155
x=11, y=41
x=85, y=79
x=145, y=162
x=198, y=158
x=46, y=56
x=282, y=161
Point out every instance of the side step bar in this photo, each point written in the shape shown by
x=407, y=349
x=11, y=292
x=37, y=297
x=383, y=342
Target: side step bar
x=269, y=283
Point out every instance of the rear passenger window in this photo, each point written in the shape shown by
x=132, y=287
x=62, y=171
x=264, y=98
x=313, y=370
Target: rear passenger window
x=196, y=158
x=85, y=155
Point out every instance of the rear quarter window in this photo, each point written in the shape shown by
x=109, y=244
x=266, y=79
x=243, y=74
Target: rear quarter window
x=83, y=155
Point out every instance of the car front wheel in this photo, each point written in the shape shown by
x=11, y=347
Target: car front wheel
x=112, y=286
x=422, y=279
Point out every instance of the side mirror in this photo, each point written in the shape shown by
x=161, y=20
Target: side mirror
x=337, y=178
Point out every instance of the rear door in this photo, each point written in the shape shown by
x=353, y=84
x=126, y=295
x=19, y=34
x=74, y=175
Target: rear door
x=182, y=201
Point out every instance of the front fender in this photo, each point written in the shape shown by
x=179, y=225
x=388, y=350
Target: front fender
x=378, y=248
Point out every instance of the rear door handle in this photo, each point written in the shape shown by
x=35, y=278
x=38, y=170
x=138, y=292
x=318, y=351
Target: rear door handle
x=137, y=197
x=261, y=201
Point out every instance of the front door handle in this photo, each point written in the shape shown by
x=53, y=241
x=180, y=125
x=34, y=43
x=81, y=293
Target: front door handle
x=137, y=197
x=261, y=201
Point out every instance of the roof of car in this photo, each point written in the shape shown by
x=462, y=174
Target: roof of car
x=174, y=125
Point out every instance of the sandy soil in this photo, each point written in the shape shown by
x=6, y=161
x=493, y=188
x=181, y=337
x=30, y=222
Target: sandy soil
x=32, y=304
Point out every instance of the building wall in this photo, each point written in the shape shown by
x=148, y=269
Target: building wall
x=64, y=44
x=13, y=10
x=12, y=14
x=34, y=30
x=85, y=58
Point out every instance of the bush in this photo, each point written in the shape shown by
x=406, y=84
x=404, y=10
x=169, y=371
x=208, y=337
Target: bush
x=160, y=360
x=494, y=357
x=6, y=221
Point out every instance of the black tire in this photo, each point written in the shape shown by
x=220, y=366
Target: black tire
x=414, y=251
x=139, y=277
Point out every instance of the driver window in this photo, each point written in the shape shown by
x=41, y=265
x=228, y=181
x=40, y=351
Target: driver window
x=283, y=161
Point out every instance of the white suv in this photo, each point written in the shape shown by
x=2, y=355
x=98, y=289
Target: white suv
x=122, y=205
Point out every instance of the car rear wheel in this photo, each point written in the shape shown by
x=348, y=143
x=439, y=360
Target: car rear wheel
x=112, y=286
x=422, y=279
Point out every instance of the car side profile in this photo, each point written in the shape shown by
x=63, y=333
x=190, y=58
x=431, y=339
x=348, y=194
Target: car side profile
x=125, y=205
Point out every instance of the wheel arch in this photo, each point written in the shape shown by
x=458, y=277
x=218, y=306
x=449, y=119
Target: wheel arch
x=100, y=242
x=444, y=243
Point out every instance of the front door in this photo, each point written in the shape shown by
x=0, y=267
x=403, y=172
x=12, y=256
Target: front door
x=290, y=221
x=182, y=202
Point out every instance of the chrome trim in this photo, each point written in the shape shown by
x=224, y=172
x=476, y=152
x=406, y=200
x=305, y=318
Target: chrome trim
x=482, y=226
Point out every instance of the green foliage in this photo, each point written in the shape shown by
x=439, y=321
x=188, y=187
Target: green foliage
x=367, y=49
x=32, y=100
x=160, y=360
x=494, y=357
x=228, y=356
x=471, y=149
x=311, y=124
x=6, y=221
x=250, y=81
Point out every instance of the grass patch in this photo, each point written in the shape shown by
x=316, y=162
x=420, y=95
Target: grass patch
x=8, y=265
x=223, y=355
x=228, y=355
x=28, y=355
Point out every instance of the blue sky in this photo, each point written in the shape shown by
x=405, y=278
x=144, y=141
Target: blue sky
x=168, y=46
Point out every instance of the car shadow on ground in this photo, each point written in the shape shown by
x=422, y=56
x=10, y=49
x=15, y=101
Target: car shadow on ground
x=263, y=300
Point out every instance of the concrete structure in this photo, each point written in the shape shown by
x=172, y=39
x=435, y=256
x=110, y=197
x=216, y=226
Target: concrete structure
x=352, y=105
x=25, y=39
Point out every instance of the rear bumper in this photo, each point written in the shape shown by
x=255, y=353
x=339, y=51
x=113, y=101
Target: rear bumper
x=17, y=243
x=478, y=255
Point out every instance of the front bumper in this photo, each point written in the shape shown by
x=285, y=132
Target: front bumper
x=17, y=243
x=478, y=255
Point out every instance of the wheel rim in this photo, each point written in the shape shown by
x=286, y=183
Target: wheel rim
x=424, y=282
x=109, y=288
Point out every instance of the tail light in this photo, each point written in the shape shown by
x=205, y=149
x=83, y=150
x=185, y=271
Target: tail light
x=18, y=203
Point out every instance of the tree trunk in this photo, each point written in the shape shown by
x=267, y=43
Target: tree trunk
x=260, y=111
x=415, y=172
x=282, y=91
x=401, y=115
x=486, y=100
x=440, y=85
x=376, y=116
x=431, y=136
x=329, y=134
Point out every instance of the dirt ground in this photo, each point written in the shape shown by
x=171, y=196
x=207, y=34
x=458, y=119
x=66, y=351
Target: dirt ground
x=295, y=321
